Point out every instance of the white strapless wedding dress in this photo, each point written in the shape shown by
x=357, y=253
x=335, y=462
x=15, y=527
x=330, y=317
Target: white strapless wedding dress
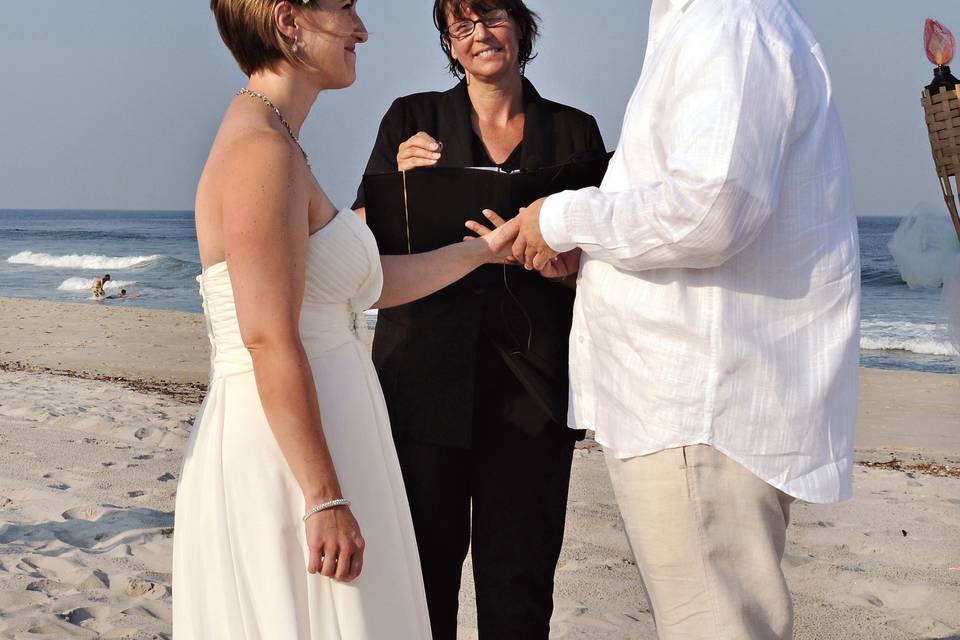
x=239, y=553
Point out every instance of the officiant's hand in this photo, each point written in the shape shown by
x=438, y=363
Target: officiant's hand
x=530, y=249
x=419, y=151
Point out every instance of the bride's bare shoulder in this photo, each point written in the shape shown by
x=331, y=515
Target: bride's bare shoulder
x=249, y=160
x=253, y=173
x=245, y=148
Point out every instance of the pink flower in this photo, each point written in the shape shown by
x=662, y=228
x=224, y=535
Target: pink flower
x=939, y=42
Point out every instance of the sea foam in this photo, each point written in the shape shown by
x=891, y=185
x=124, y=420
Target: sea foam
x=914, y=337
x=918, y=346
x=79, y=261
x=84, y=284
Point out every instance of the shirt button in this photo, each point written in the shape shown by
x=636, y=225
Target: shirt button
x=581, y=339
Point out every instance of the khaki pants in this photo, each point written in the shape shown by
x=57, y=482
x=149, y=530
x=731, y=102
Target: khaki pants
x=708, y=537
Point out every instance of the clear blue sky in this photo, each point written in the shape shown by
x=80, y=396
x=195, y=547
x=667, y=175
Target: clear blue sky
x=113, y=104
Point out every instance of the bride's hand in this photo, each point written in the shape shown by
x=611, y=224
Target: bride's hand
x=336, y=546
x=563, y=265
x=499, y=239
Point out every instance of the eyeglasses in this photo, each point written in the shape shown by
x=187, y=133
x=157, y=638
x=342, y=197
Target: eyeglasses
x=464, y=28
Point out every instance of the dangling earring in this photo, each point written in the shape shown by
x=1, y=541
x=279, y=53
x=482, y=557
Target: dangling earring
x=295, y=47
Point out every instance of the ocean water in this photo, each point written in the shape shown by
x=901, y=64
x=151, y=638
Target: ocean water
x=901, y=328
x=55, y=255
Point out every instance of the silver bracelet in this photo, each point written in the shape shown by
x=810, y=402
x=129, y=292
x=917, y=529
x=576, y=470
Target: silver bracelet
x=340, y=502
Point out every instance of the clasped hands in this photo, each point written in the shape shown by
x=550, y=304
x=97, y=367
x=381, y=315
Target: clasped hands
x=529, y=248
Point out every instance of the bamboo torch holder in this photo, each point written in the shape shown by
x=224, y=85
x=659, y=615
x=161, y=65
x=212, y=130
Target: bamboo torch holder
x=943, y=123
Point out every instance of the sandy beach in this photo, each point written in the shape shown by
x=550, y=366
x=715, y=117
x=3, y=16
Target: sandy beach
x=96, y=404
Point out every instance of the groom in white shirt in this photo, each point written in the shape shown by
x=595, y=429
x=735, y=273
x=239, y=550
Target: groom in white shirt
x=715, y=340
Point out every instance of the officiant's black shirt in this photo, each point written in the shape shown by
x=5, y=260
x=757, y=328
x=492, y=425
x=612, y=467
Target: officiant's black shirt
x=426, y=352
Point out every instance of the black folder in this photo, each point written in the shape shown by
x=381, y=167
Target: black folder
x=423, y=210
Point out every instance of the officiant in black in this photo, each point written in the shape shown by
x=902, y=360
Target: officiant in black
x=475, y=376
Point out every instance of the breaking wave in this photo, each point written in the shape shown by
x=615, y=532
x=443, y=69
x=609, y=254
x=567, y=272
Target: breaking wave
x=84, y=284
x=919, y=338
x=75, y=261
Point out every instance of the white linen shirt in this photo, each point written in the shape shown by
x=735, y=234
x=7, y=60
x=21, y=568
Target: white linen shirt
x=719, y=291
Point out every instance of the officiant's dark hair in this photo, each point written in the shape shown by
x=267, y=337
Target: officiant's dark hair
x=249, y=31
x=527, y=21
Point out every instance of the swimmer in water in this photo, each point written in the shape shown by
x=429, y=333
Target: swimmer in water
x=123, y=295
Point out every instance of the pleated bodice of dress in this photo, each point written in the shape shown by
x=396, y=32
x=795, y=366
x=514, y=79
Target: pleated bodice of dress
x=343, y=279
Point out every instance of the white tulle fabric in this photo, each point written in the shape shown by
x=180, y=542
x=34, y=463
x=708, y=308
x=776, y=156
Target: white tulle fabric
x=239, y=565
x=951, y=301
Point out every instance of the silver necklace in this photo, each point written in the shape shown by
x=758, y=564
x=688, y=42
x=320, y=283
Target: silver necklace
x=266, y=101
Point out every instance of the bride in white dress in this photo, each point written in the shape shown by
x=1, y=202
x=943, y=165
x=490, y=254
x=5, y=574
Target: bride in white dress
x=294, y=424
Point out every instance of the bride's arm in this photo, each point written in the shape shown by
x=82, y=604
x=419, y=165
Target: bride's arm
x=409, y=278
x=265, y=232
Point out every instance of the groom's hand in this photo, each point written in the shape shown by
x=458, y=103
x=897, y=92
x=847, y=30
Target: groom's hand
x=530, y=249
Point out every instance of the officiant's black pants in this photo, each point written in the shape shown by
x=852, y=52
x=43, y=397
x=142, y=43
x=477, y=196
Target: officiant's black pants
x=515, y=478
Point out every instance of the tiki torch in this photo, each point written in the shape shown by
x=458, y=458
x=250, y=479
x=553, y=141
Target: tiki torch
x=941, y=104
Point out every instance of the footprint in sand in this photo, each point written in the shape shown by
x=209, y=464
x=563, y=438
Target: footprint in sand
x=88, y=512
x=145, y=456
x=30, y=414
x=11, y=601
x=869, y=598
x=82, y=614
x=924, y=626
x=156, y=610
x=145, y=589
x=60, y=486
x=570, y=609
x=48, y=587
x=96, y=581
x=57, y=574
x=114, y=528
x=167, y=477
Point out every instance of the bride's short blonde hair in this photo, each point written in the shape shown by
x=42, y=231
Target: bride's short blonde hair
x=250, y=32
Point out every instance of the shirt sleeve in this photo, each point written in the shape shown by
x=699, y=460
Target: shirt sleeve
x=383, y=158
x=724, y=114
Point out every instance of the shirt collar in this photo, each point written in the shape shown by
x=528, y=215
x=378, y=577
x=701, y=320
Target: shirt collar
x=663, y=13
